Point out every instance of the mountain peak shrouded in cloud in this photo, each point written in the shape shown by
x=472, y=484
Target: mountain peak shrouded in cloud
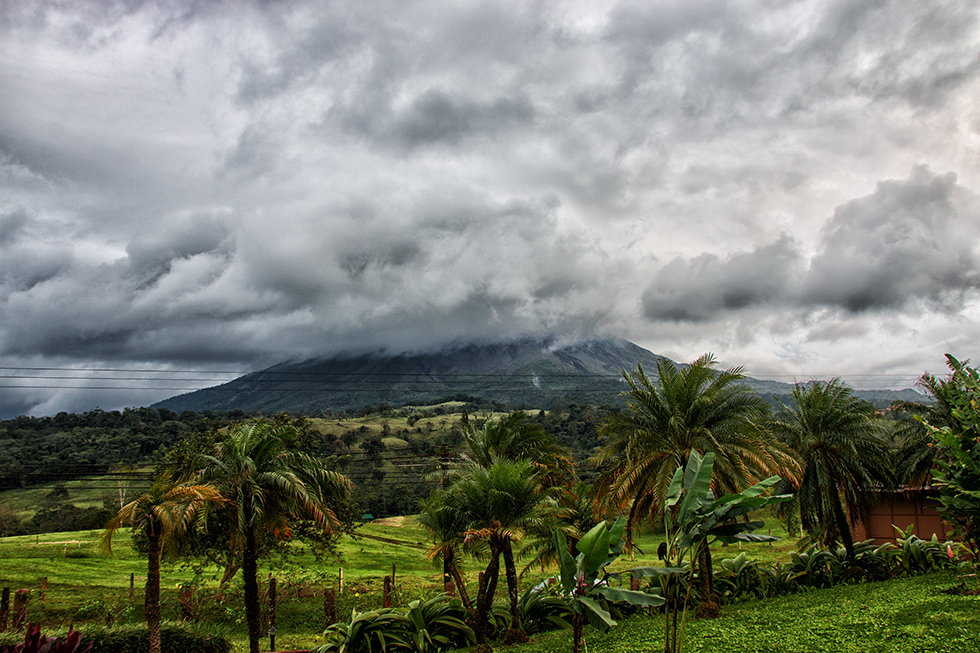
x=221, y=186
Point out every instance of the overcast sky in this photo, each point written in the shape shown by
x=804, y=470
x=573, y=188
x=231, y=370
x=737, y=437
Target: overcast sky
x=198, y=185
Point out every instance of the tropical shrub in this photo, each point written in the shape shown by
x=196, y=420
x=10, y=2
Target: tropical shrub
x=374, y=630
x=958, y=466
x=34, y=642
x=542, y=609
x=436, y=625
x=741, y=579
x=424, y=627
x=584, y=585
x=199, y=638
x=815, y=567
x=917, y=556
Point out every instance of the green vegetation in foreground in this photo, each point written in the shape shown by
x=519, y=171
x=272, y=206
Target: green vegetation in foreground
x=903, y=615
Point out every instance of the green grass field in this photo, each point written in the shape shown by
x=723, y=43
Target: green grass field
x=901, y=615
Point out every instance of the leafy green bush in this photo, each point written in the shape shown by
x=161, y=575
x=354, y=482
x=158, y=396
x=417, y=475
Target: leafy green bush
x=542, y=610
x=916, y=556
x=189, y=638
x=815, y=567
x=740, y=579
x=425, y=626
x=366, y=631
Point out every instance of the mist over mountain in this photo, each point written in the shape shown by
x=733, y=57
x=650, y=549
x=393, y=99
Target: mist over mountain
x=527, y=373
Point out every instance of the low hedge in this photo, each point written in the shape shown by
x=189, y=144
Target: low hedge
x=175, y=638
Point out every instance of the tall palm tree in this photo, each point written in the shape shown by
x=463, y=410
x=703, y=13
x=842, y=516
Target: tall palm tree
x=846, y=461
x=267, y=483
x=691, y=408
x=163, y=515
x=694, y=407
x=916, y=455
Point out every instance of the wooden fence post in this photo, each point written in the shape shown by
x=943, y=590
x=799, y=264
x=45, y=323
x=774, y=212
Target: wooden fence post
x=132, y=585
x=21, y=597
x=329, y=607
x=186, y=599
x=386, y=599
x=340, y=581
x=4, y=609
x=272, y=613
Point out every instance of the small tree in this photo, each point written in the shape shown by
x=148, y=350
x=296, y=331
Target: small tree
x=582, y=587
x=957, y=473
x=693, y=519
x=163, y=514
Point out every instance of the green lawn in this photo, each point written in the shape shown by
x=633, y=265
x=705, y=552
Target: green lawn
x=902, y=615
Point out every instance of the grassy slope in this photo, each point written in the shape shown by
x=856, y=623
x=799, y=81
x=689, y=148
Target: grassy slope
x=905, y=615
x=901, y=615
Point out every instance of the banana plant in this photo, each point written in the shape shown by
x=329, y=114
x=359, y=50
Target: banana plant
x=694, y=519
x=583, y=580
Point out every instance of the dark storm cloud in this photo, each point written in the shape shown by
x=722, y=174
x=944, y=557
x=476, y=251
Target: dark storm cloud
x=915, y=239
x=12, y=225
x=911, y=239
x=204, y=182
x=702, y=288
x=435, y=117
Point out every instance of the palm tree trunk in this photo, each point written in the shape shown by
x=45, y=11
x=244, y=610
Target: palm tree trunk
x=249, y=574
x=151, y=604
x=484, y=597
x=450, y=560
x=517, y=633
x=706, y=575
x=842, y=525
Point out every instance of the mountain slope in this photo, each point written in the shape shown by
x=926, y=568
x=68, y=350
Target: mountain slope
x=521, y=374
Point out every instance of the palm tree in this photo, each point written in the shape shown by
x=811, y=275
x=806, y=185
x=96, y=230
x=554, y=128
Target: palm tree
x=916, y=455
x=446, y=527
x=499, y=505
x=516, y=437
x=845, y=459
x=267, y=484
x=163, y=515
x=691, y=408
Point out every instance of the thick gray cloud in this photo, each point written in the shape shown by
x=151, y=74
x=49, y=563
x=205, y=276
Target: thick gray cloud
x=210, y=184
x=911, y=241
x=706, y=287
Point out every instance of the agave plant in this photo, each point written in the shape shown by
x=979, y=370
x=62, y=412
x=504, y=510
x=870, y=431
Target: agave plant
x=435, y=625
x=366, y=632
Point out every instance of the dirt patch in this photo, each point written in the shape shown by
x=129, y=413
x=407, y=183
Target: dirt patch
x=390, y=521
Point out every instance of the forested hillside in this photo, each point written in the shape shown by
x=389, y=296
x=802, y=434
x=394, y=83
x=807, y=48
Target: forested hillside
x=73, y=470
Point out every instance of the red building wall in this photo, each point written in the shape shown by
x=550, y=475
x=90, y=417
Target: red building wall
x=910, y=507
